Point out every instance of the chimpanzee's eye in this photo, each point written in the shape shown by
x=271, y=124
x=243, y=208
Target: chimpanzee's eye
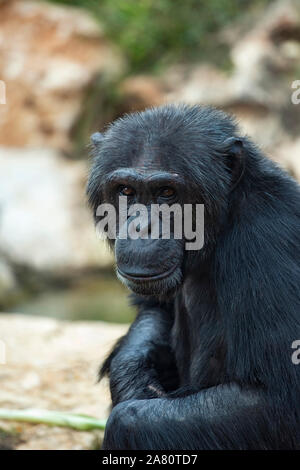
x=167, y=193
x=126, y=191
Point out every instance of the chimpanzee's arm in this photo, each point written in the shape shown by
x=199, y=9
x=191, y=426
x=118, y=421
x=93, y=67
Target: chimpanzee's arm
x=140, y=362
x=221, y=417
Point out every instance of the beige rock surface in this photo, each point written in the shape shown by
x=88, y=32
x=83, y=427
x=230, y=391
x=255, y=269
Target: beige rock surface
x=53, y=365
x=49, y=56
x=45, y=223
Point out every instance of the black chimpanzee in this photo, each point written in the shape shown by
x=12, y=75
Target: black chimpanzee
x=207, y=364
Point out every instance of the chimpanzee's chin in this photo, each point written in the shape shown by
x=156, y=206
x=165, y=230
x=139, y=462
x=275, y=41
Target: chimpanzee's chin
x=153, y=287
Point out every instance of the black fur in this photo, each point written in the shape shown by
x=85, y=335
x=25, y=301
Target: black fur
x=207, y=364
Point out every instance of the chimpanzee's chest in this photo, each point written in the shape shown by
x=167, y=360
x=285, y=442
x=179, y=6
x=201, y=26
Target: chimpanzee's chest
x=198, y=337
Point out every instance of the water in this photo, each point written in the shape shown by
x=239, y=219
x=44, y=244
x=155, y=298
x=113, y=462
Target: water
x=91, y=299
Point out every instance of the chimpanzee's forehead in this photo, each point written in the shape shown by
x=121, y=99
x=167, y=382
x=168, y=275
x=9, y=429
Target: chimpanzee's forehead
x=168, y=138
x=143, y=152
x=154, y=157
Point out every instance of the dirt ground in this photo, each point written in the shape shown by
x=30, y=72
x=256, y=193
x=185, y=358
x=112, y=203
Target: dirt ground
x=53, y=365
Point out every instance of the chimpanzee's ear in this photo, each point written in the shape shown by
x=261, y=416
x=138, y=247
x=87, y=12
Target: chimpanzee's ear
x=96, y=139
x=235, y=152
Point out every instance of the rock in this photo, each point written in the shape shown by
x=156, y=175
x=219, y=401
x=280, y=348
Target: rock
x=204, y=84
x=263, y=57
x=44, y=221
x=141, y=91
x=53, y=365
x=50, y=56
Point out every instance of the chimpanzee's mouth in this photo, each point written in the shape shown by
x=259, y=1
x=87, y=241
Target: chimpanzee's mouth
x=141, y=277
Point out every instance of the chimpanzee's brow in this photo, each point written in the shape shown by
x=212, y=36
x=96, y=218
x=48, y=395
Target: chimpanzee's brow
x=134, y=175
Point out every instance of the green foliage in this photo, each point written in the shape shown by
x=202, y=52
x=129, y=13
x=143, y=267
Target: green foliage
x=152, y=33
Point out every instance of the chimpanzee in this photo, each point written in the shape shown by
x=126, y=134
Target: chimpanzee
x=208, y=361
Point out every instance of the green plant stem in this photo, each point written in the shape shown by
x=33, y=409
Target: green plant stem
x=53, y=418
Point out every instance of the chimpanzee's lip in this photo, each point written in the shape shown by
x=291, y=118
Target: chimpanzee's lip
x=146, y=278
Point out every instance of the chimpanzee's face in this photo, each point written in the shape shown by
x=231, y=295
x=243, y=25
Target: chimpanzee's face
x=148, y=257
x=160, y=158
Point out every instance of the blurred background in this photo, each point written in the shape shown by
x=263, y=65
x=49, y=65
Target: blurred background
x=69, y=68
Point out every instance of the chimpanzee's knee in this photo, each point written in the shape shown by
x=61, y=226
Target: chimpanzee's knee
x=122, y=426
